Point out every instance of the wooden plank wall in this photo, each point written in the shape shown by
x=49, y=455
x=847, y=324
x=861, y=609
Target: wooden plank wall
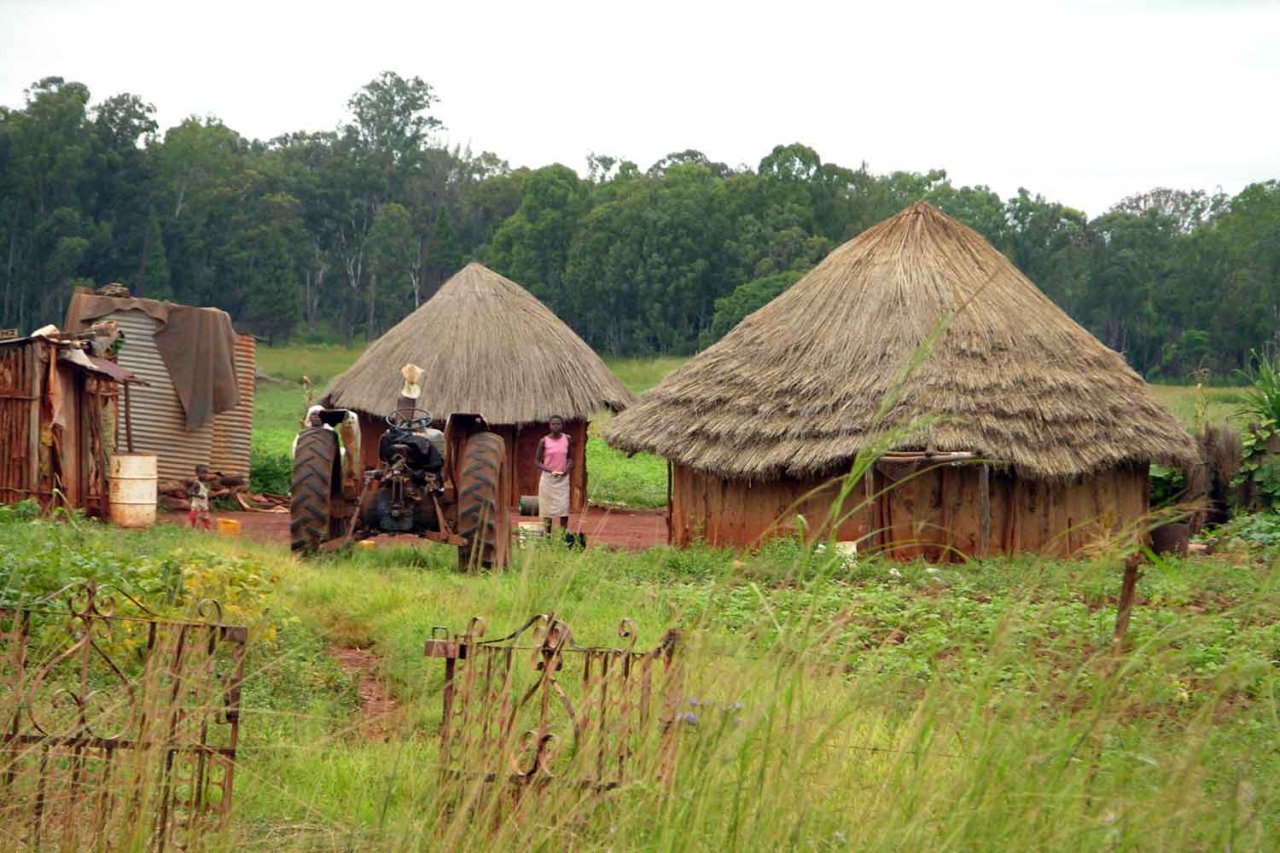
x=38, y=457
x=930, y=512
x=19, y=406
x=1064, y=518
x=737, y=512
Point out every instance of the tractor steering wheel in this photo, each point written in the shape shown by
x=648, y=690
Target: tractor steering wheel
x=410, y=419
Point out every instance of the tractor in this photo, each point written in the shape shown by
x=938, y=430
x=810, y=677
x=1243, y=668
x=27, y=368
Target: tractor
x=446, y=486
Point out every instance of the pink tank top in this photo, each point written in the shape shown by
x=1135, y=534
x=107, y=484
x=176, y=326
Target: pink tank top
x=555, y=452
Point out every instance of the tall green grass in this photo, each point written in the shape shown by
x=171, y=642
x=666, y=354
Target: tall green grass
x=882, y=705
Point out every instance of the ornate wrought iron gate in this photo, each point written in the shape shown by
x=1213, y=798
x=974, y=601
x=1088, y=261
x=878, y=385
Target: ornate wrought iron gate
x=115, y=730
x=535, y=706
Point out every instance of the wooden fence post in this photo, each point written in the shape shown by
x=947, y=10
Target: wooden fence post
x=1128, y=589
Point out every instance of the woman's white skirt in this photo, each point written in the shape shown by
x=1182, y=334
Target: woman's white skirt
x=553, y=496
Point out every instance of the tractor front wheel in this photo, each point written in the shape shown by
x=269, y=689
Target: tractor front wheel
x=316, y=491
x=483, y=519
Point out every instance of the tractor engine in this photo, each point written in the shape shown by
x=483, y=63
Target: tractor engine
x=399, y=494
x=335, y=500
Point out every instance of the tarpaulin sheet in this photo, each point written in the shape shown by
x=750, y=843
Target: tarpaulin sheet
x=198, y=346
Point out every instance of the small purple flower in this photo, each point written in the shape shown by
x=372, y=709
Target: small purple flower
x=736, y=706
x=693, y=702
x=689, y=717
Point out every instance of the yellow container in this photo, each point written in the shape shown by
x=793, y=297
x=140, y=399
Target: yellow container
x=228, y=526
x=367, y=544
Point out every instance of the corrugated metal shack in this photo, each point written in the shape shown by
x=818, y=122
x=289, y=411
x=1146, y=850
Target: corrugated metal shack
x=56, y=408
x=161, y=424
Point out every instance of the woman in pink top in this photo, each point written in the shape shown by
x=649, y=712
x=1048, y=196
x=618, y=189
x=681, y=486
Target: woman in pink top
x=554, y=459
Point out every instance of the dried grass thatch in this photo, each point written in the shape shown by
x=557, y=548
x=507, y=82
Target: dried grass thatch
x=795, y=388
x=486, y=346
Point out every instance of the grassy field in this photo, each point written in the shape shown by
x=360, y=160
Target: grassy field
x=838, y=706
x=615, y=480
x=1195, y=406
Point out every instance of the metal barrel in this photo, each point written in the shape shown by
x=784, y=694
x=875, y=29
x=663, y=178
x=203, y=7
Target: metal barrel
x=133, y=489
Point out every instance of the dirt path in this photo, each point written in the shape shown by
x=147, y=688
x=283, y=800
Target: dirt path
x=632, y=529
x=379, y=712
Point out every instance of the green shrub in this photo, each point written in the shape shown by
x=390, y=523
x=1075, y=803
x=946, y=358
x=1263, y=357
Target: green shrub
x=1167, y=485
x=270, y=473
x=1262, y=398
x=23, y=510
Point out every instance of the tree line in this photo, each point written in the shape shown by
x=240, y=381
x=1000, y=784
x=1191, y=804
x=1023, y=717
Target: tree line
x=339, y=234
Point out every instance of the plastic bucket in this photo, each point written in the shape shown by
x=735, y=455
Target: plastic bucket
x=228, y=526
x=529, y=531
x=133, y=489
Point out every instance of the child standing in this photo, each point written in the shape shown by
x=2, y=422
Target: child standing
x=198, y=494
x=554, y=459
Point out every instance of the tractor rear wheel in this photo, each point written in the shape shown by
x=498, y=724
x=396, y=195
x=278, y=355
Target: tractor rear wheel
x=317, y=487
x=483, y=519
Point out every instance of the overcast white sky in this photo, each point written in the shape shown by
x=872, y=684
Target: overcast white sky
x=1085, y=101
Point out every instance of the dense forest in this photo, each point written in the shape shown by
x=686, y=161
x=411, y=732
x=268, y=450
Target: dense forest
x=338, y=234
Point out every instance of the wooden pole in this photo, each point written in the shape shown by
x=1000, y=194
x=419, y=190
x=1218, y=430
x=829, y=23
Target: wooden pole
x=984, y=510
x=670, y=523
x=33, y=421
x=128, y=420
x=1128, y=590
x=869, y=495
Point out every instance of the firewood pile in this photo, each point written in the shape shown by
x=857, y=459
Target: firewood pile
x=173, y=494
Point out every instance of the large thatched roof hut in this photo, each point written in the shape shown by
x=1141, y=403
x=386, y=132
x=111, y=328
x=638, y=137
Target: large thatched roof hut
x=487, y=347
x=1012, y=427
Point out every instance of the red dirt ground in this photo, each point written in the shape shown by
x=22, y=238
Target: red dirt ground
x=632, y=529
x=377, y=709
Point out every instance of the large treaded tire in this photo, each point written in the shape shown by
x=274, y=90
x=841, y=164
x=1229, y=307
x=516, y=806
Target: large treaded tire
x=483, y=519
x=316, y=480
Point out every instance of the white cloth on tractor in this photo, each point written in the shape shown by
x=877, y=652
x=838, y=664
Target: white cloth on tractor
x=293, y=449
x=553, y=495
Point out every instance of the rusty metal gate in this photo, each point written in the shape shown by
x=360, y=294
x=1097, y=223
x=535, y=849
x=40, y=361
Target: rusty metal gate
x=534, y=706
x=116, y=731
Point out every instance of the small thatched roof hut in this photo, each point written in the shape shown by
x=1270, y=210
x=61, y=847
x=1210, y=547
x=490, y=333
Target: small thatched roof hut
x=919, y=331
x=487, y=347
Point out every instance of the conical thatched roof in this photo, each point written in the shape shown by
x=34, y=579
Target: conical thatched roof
x=795, y=388
x=486, y=346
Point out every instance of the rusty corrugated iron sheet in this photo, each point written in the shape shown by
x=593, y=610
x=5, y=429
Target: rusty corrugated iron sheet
x=233, y=430
x=159, y=422
x=111, y=370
